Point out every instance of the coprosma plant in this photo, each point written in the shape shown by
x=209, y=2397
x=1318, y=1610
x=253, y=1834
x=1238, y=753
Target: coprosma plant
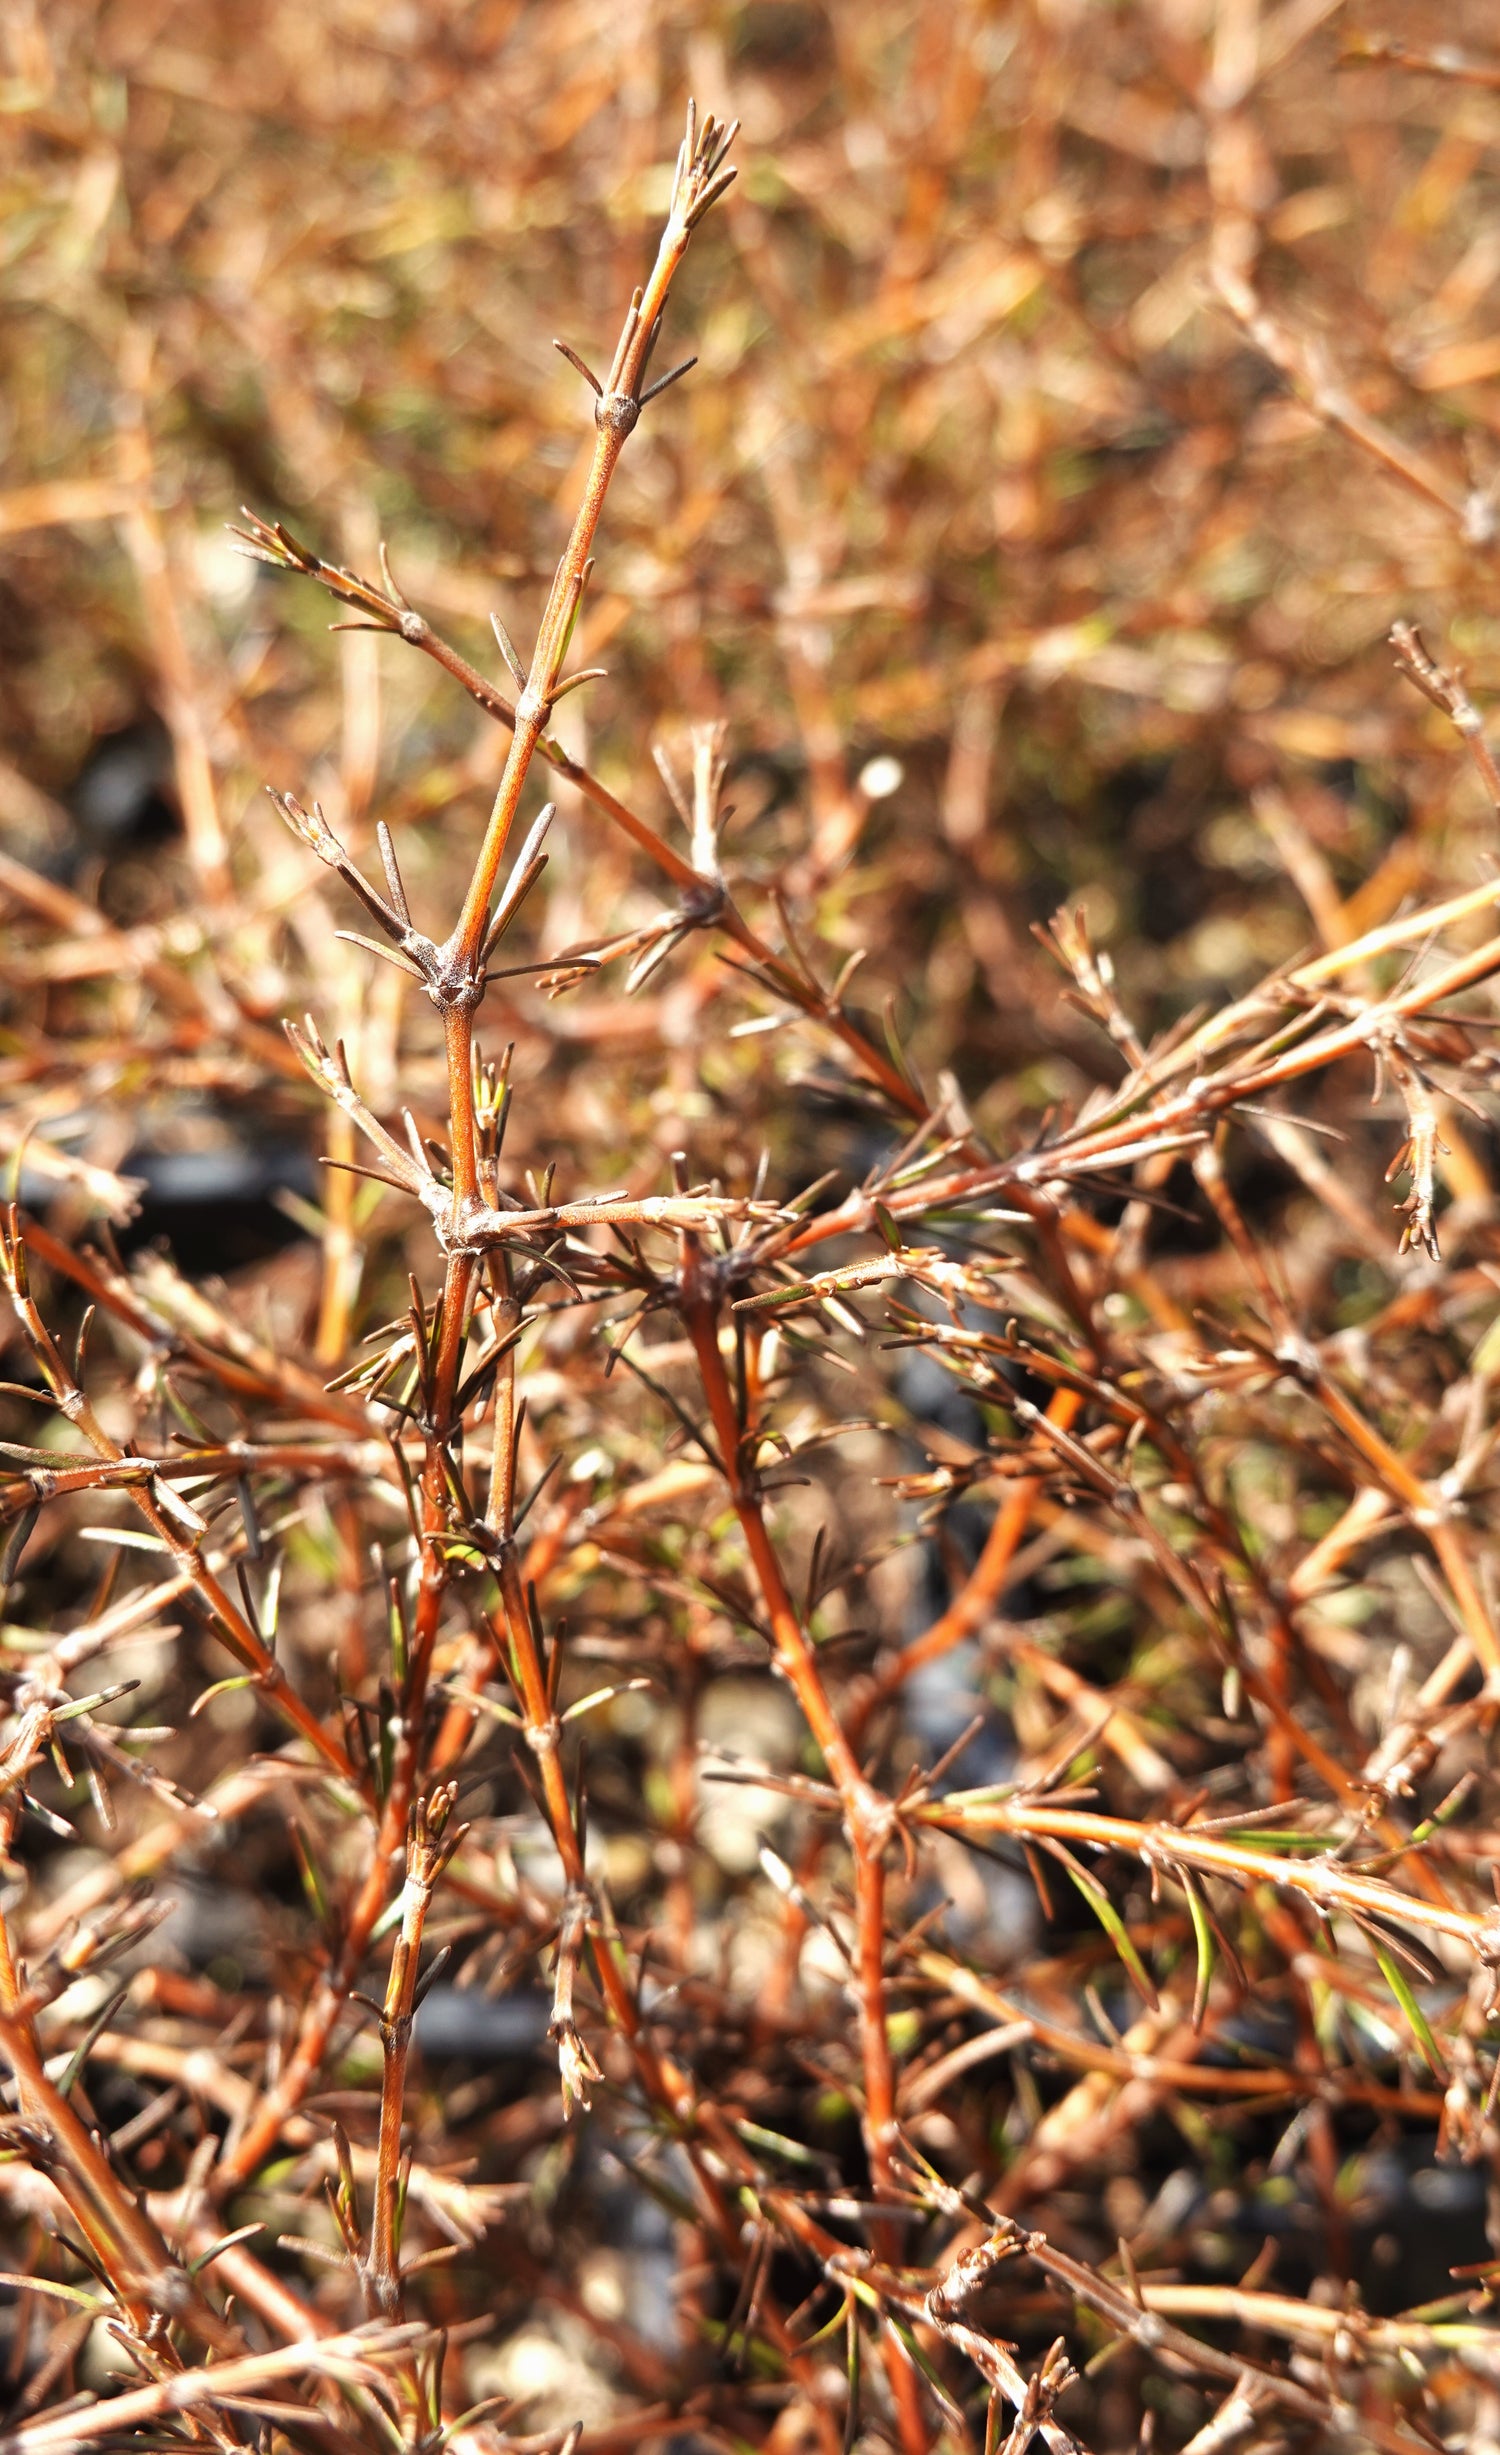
x=1253, y=1936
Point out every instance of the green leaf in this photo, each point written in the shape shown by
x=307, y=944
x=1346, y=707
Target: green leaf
x=312, y=1878
x=91, y=2036
x=1207, y=1952
x=1396, y=1979
x=830, y=2327
x=222, y=1687
x=45, y=2284
x=919, y=2361
x=850, y=2316
x=226, y=2241
x=771, y=2143
x=1114, y=1927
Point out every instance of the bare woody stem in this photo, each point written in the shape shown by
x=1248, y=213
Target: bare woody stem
x=868, y=1815
x=430, y=1845
x=457, y=988
x=352, y=2355
x=175, y=1528
x=543, y=1733
x=141, y=2270
x=391, y=614
x=1331, y=1884
x=244, y=2153
x=617, y=410
x=979, y=1595
x=701, y=178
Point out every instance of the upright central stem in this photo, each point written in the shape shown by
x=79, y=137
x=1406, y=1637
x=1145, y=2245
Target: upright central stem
x=616, y=414
x=867, y=1815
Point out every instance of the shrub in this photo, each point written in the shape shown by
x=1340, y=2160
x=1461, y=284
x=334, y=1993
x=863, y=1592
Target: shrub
x=760, y=1759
